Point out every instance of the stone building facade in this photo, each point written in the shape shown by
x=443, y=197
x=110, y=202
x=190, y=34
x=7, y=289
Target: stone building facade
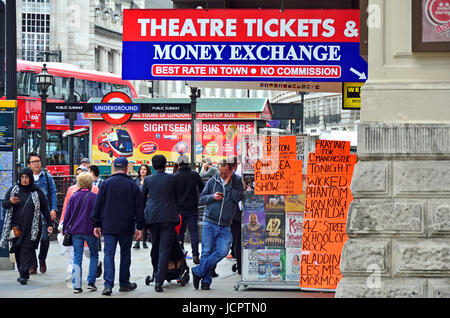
x=399, y=222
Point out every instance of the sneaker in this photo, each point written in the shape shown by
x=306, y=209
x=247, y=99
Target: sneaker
x=205, y=287
x=107, y=291
x=92, y=287
x=99, y=269
x=129, y=287
x=229, y=256
x=77, y=290
x=196, y=259
x=136, y=246
x=195, y=279
x=22, y=281
x=144, y=245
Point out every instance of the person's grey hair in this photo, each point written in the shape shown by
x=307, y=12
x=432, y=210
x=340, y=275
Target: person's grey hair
x=85, y=180
x=82, y=168
x=183, y=160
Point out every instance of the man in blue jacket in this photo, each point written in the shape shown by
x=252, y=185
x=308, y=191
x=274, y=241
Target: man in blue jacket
x=45, y=182
x=221, y=195
x=117, y=209
x=161, y=213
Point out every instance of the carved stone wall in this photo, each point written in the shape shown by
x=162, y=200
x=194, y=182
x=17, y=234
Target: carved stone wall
x=399, y=222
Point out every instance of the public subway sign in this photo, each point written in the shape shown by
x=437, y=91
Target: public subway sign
x=243, y=45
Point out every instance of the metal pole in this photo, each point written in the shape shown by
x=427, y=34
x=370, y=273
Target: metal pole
x=2, y=48
x=71, y=124
x=11, y=67
x=193, y=97
x=43, y=145
x=303, y=114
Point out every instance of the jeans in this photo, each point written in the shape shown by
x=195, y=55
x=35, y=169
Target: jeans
x=78, y=247
x=190, y=219
x=110, y=245
x=163, y=238
x=216, y=242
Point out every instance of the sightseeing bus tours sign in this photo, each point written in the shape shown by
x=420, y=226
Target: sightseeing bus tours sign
x=225, y=44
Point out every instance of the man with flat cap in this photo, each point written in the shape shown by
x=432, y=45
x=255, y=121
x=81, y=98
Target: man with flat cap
x=117, y=210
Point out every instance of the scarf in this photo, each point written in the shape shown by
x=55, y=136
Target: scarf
x=32, y=188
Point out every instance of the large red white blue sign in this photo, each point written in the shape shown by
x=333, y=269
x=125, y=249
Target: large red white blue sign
x=233, y=44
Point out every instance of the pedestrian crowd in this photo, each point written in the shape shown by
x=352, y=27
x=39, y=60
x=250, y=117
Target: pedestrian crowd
x=155, y=206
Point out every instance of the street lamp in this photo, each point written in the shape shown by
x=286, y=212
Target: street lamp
x=43, y=81
x=195, y=93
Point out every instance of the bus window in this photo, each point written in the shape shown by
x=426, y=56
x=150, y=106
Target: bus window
x=23, y=79
x=34, y=90
x=56, y=149
x=121, y=88
x=80, y=88
x=106, y=88
x=55, y=91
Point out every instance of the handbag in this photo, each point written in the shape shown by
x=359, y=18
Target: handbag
x=67, y=240
x=15, y=231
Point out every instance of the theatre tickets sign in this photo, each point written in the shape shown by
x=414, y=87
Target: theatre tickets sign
x=242, y=45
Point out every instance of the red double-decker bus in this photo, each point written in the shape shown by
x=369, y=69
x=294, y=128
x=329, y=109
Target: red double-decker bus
x=87, y=84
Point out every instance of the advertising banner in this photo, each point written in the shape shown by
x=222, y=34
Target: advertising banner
x=242, y=45
x=435, y=21
x=328, y=197
x=254, y=230
x=141, y=140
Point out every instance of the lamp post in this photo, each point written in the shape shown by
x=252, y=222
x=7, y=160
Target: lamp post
x=195, y=93
x=44, y=80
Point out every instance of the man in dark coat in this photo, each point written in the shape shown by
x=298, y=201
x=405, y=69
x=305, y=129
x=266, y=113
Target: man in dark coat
x=189, y=185
x=117, y=209
x=161, y=214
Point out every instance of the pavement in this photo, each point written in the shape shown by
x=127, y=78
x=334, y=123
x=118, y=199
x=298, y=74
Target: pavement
x=52, y=284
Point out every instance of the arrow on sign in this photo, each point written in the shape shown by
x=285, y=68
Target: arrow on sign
x=362, y=76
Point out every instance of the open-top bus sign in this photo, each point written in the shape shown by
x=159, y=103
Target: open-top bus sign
x=243, y=45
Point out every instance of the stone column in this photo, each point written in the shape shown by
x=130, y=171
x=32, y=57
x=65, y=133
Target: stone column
x=117, y=62
x=399, y=222
x=103, y=59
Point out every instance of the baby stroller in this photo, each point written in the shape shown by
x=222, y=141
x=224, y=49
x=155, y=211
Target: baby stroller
x=177, y=268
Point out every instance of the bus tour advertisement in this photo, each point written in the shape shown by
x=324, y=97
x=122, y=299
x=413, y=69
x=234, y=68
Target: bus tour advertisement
x=141, y=140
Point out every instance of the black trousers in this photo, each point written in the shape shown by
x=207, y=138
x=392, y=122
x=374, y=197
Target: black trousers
x=44, y=245
x=163, y=236
x=236, y=232
x=24, y=251
x=146, y=234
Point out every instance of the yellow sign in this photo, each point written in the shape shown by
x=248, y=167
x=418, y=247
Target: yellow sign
x=8, y=103
x=351, y=95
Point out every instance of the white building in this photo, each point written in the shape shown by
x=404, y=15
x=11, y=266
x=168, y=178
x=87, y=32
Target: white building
x=85, y=33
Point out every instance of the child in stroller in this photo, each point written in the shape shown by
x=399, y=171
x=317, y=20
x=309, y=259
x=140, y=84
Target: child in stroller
x=177, y=268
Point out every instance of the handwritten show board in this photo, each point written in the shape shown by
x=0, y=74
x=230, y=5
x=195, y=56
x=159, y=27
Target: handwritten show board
x=328, y=195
